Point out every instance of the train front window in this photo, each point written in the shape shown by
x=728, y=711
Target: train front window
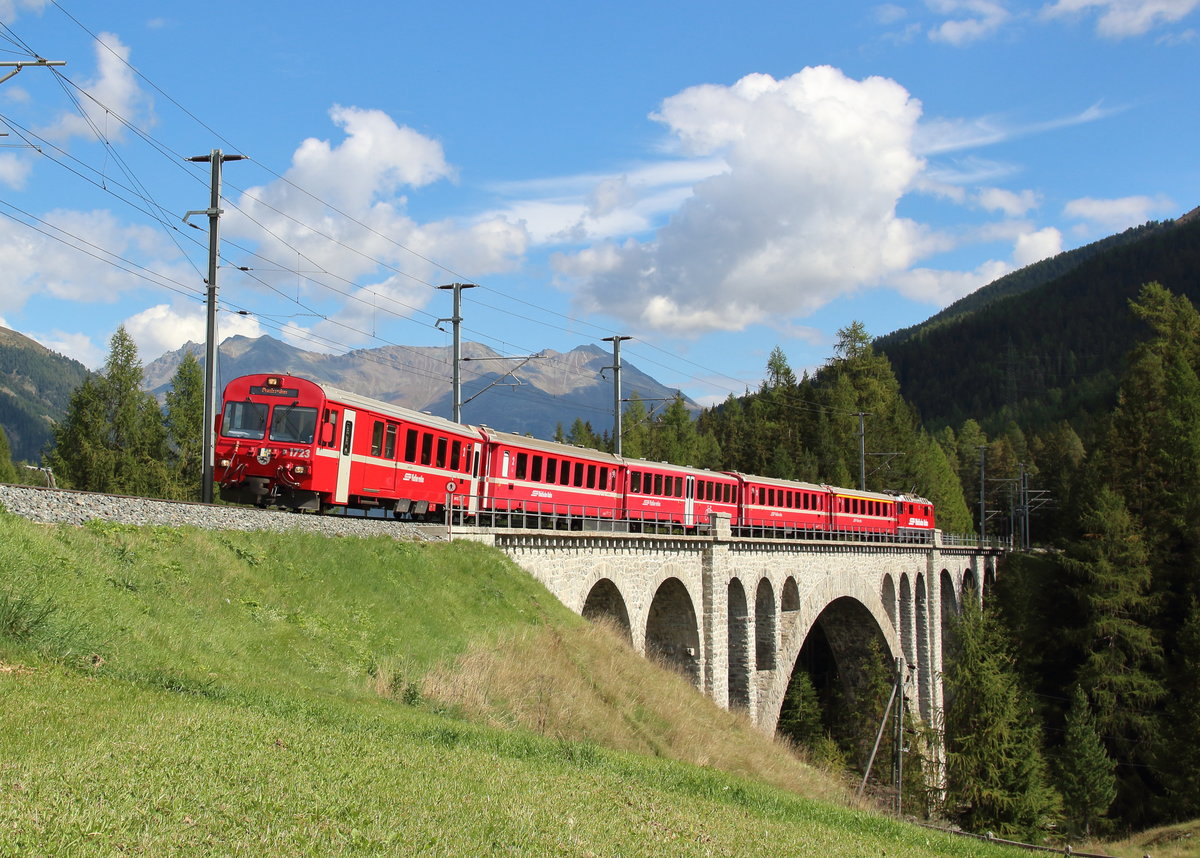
x=293, y=424
x=244, y=420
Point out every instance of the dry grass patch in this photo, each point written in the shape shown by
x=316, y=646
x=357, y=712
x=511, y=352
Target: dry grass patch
x=585, y=684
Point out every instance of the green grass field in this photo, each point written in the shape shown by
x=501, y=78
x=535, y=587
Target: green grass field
x=181, y=692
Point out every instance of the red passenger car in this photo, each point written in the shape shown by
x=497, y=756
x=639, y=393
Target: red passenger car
x=286, y=441
x=674, y=494
x=868, y=512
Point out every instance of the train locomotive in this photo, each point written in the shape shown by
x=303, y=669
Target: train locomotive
x=289, y=442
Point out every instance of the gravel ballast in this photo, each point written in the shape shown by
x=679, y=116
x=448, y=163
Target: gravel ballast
x=56, y=506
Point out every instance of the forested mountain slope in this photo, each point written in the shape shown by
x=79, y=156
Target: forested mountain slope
x=1049, y=353
x=35, y=386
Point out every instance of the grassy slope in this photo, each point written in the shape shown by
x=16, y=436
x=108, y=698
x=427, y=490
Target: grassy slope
x=178, y=692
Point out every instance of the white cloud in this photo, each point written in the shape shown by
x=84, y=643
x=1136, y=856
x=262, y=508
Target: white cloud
x=1008, y=202
x=889, y=13
x=370, y=236
x=14, y=170
x=84, y=268
x=77, y=346
x=1116, y=214
x=115, y=88
x=938, y=136
x=804, y=212
x=163, y=328
x=1120, y=19
x=975, y=20
x=9, y=9
x=1033, y=247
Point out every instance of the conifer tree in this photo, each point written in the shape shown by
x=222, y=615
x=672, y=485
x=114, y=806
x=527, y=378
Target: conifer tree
x=8, y=471
x=1179, y=753
x=996, y=776
x=185, y=423
x=1086, y=774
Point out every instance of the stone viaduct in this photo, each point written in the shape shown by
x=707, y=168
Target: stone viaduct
x=734, y=614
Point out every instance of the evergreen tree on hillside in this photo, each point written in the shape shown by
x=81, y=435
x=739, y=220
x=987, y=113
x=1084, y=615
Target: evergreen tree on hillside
x=635, y=428
x=1179, y=753
x=1086, y=775
x=185, y=425
x=1121, y=660
x=996, y=776
x=112, y=439
x=8, y=471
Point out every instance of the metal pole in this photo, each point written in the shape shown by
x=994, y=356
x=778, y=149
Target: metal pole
x=862, y=450
x=456, y=320
x=213, y=211
x=616, y=368
x=982, y=483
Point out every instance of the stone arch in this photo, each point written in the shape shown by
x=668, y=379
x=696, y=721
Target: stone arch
x=924, y=656
x=843, y=647
x=672, y=633
x=887, y=594
x=789, y=613
x=949, y=598
x=764, y=626
x=739, y=645
x=908, y=638
x=989, y=579
x=970, y=585
x=605, y=603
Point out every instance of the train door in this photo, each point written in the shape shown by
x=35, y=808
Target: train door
x=689, y=501
x=341, y=492
x=475, y=484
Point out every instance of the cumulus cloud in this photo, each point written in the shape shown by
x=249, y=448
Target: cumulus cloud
x=83, y=266
x=1010, y=203
x=1116, y=214
x=14, y=170
x=1118, y=19
x=973, y=20
x=9, y=9
x=163, y=328
x=114, y=89
x=1035, y=246
x=803, y=212
x=347, y=215
x=73, y=345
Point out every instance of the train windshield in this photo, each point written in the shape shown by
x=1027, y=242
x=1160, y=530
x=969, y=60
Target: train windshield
x=293, y=424
x=244, y=420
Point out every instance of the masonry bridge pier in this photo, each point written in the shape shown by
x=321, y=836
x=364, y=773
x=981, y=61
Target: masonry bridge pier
x=733, y=614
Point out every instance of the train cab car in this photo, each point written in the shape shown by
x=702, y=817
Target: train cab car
x=543, y=478
x=914, y=515
x=658, y=492
x=865, y=512
x=783, y=507
x=289, y=442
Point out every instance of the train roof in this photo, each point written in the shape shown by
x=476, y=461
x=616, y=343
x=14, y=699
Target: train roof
x=774, y=481
x=387, y=409
x=553, y=447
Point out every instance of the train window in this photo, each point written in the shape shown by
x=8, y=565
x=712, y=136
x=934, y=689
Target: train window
x=635, y=482
x=410, y=445
x=456, y=459
x=657, y=485
x=522, y=465
x=389, y=447
x=244, y=420
x=426, y=448
x=603, y=480
x=329, y=428
x=293, y=424
x=591, y=476
x=578, y=481
x=504, y=465
x=678, y=487
x=551, y=469
x=536, y=473
x=347, y=436
x=440, y=461
x=564, y=473
x=377, y=439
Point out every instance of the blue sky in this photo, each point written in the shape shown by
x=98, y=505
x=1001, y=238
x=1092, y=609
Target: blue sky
x=712, y=179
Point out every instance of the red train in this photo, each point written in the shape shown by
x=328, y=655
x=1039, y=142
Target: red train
x=289, y=442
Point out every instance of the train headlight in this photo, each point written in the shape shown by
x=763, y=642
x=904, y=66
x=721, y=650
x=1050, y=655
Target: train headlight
x=300, y=469
x=224, y=463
